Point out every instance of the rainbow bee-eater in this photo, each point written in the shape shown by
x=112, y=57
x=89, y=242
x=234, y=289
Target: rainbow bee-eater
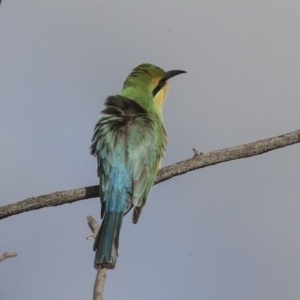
x=129, y=141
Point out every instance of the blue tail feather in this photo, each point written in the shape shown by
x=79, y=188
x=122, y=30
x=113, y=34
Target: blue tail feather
x=107, y=240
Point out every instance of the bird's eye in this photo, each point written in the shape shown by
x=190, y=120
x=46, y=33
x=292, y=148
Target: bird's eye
x=160, y=84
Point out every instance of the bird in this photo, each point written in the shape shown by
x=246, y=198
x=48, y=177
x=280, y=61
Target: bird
x=129, y=142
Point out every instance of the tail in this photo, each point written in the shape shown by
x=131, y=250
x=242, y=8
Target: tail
x=107, y=240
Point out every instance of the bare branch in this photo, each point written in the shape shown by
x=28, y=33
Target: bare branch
x=194, y=163
x=101, y=273
x=99, y=284
x=93, y=224
x=7, y=255
x=53, y=199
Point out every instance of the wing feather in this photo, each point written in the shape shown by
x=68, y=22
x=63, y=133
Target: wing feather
x=128, y=140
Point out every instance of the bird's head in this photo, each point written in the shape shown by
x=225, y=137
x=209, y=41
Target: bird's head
x=150, y=82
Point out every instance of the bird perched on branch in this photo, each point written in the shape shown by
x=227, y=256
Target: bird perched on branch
x=129, y=141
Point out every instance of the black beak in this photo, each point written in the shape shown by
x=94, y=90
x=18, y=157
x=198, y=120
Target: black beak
x=173, y=73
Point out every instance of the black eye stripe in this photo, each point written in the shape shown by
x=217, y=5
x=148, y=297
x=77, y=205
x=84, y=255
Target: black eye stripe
x=160, y=84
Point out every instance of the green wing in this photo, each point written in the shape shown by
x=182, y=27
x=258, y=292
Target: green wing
x=145, y=141
x=144, y=156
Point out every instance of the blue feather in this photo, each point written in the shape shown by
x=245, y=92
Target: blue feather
x=125, y=142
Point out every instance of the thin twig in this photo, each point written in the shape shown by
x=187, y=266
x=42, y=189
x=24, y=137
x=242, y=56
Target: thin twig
x=101, y=273
x=194, y=163
x=6, y=255
x=93, y=226
x=99, y=284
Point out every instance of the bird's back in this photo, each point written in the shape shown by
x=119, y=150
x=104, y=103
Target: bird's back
x=129, y=143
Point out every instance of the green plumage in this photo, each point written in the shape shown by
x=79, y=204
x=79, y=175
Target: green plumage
x=129, y=142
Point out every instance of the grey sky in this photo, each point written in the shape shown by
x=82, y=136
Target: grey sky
x=230, y=231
